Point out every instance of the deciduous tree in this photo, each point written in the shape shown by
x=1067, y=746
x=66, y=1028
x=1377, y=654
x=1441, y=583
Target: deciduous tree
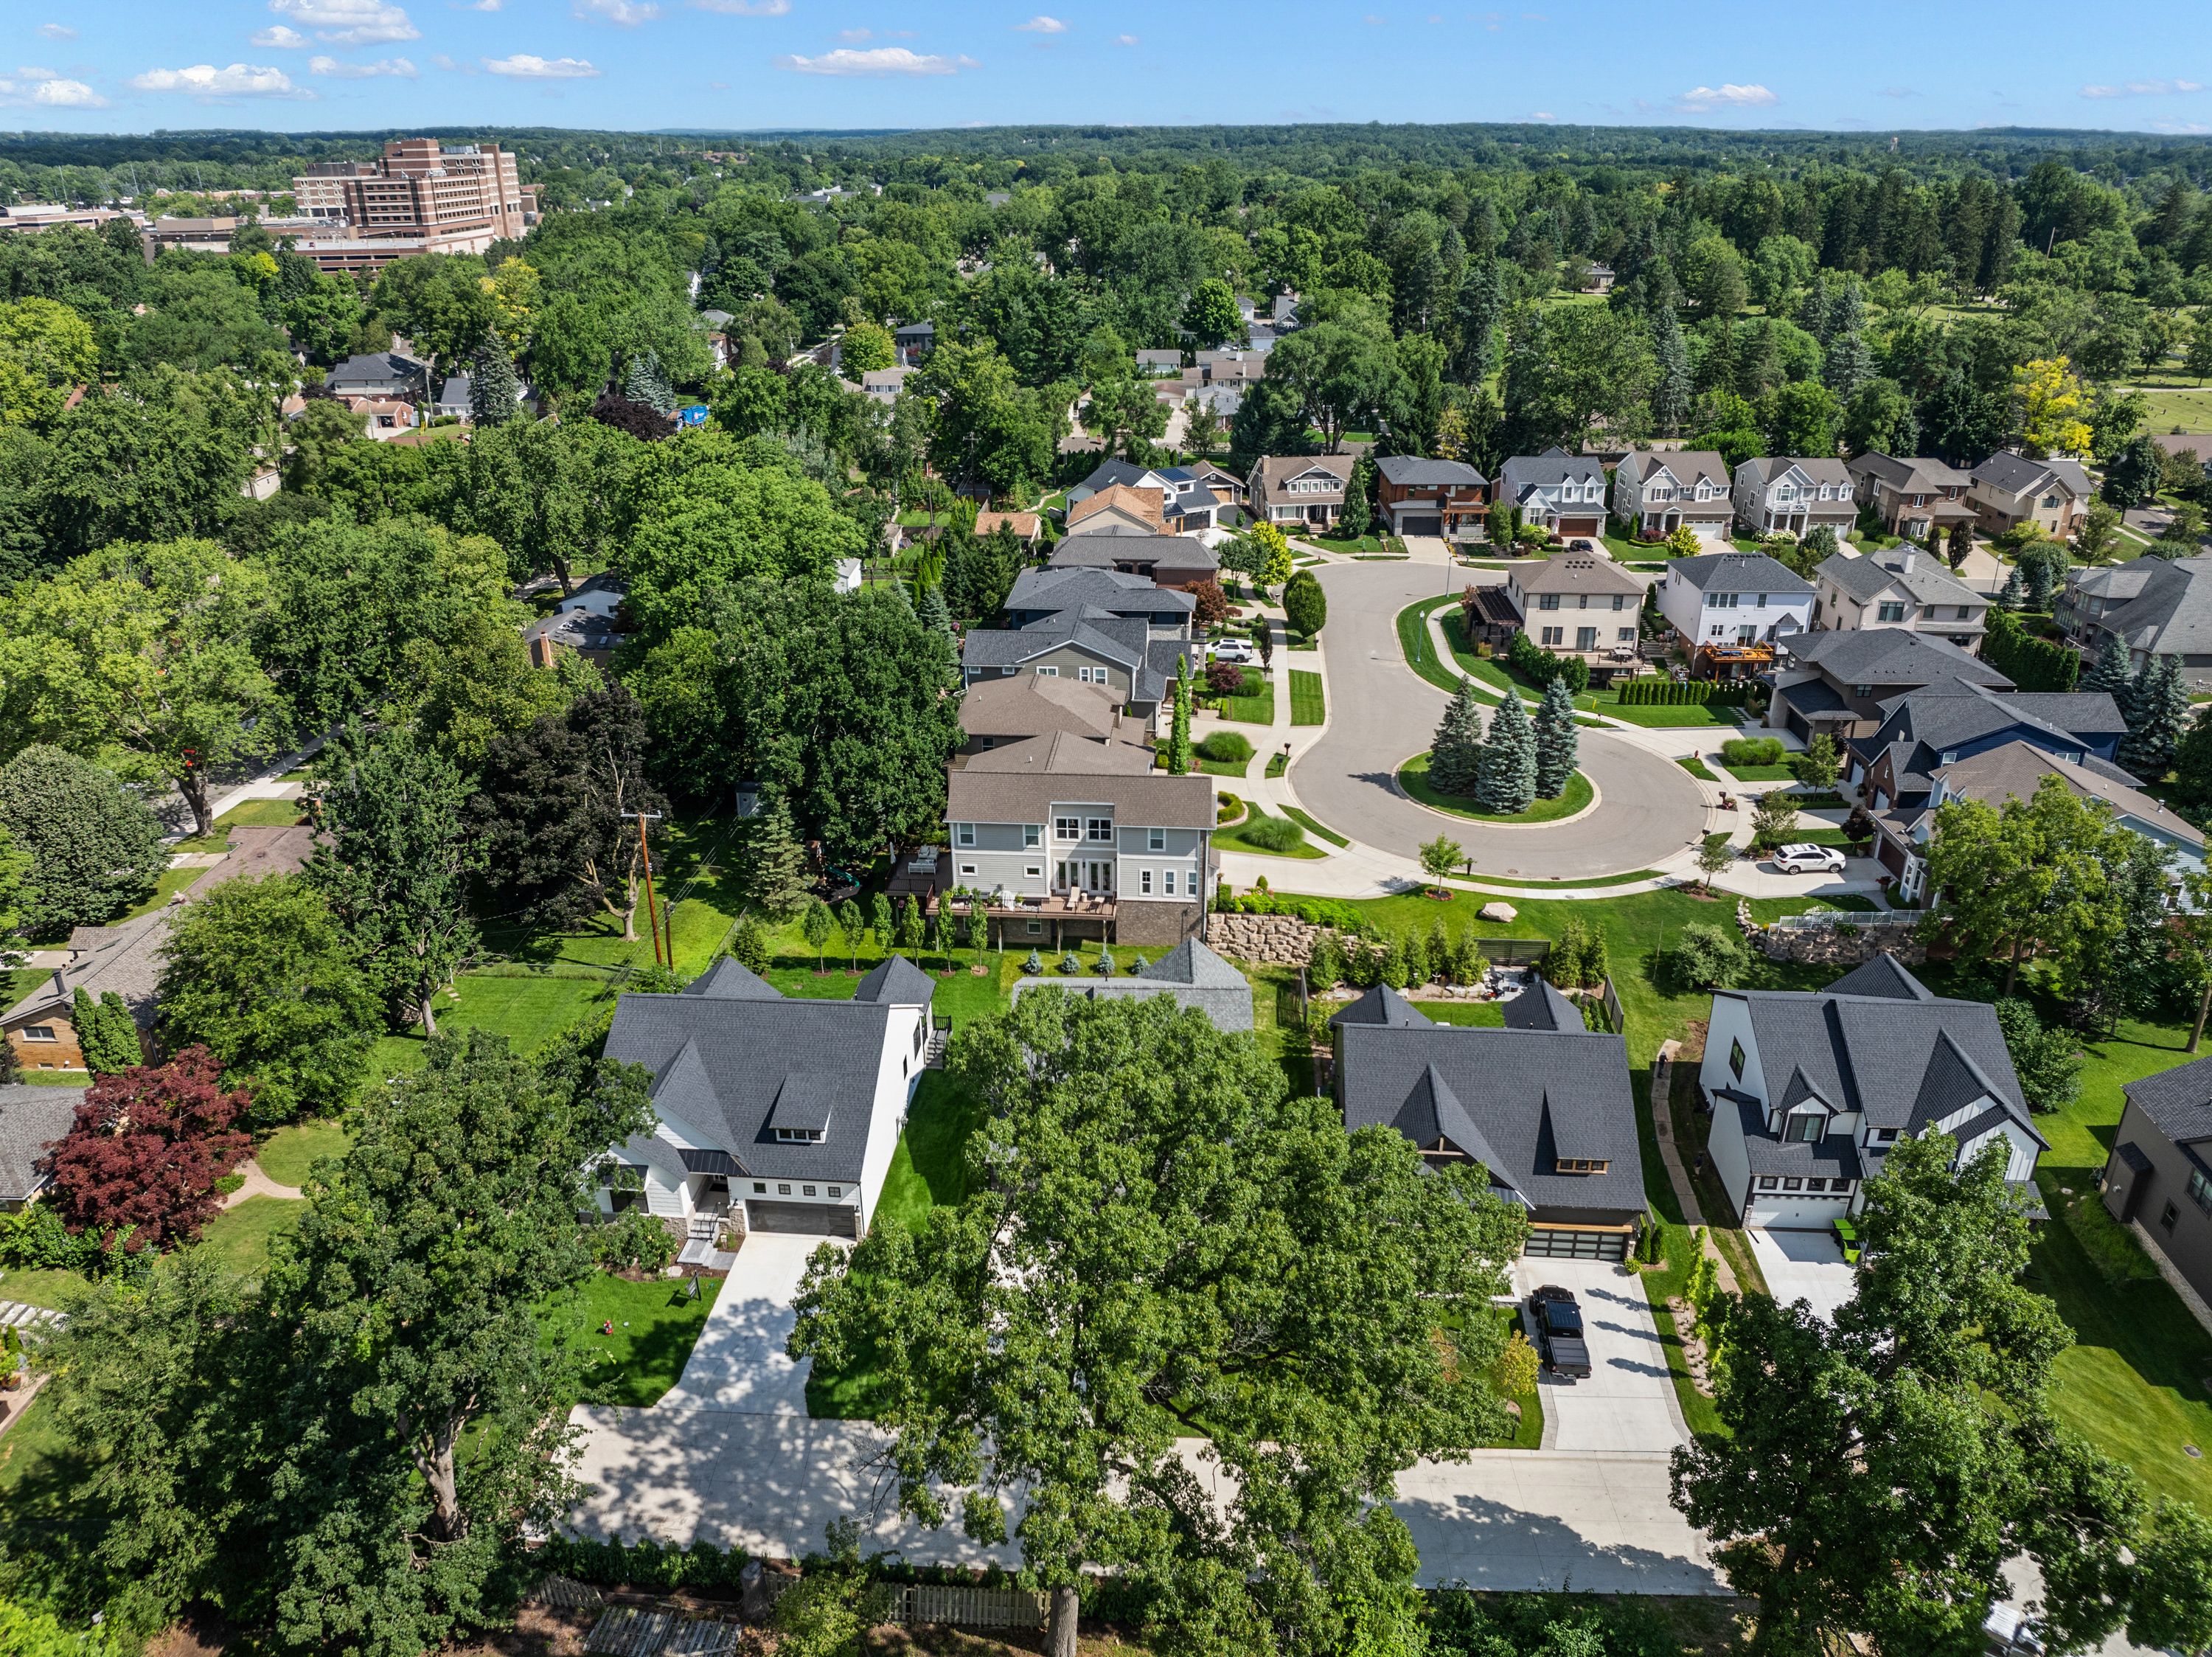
x=93, y=847
x=142, y=1158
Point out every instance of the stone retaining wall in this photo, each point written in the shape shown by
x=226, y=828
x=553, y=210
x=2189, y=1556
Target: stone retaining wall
x=1837, y=940
x=1283, y=939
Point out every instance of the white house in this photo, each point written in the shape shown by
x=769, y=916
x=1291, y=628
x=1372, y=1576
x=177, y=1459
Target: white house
x=1733, y=598
x=1810, y=1090
x=769, y=1114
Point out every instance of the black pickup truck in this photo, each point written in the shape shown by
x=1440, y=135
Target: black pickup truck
x=1558, y=1322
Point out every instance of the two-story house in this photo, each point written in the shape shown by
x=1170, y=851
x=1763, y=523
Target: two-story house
x=1119, y=653
x=1733, y=598
x=1431, y=497
x=1561, y=493
x=2014, y=771
x=1577, y=603
x=1300, y=490
x=1793, y=495
x=1037, y=595
x=1177, y=561
x=1072, y=838
x=1542, y=1107
x=1917, y=498
x=1810, y=1091
x=1656, y=491
x=2154, y=607
x=2158, y=1180
x=995, y=712
x=1903, y=586
x=2008, y=491
x=1173, y=499
x=769, y=1114
x=1839, y=683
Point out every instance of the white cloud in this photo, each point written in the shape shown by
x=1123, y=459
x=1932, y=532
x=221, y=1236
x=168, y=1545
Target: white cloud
x=1041, y=24
x=1541, y=115
x=56, y=32
x=1125, y=40
x=47, y=89
x=628, y=12
x=1726, y=95
x=880, y=60
x=745, y=8
x=2183, y=128
x=350, y=22
x=523, y=66
x=288, y=39
x=206, y=81
x=394, y=66
x=477, y=5
x=32, y=72
x=2142, y=88
x=1897, y=92
x=854, y=37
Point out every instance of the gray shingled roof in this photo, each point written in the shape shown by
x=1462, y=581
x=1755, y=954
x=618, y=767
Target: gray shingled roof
x=1687, y=466
x=1101, y=550
x=32, y=1119
x=1889, y=655
x=1739, y=572
x=2016, y=770
x=2015, y=474
x=2180, y=1101
x=1030, y=704
x=1554, y=465
x=1540, y=1006
x=2172, y=614
x=1925, y=724
x=1530, y=1097
x=1381, y=1005
x=1062, y=588
x=1190, y=974
x=1913, y=475
x=731, y=1065
x=1919, y=573
x=1832, y=1156
x=1155, y=799
x=895, y=981
x=1413, y=471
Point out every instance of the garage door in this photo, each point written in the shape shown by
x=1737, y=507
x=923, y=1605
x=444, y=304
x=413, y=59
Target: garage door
x=1570, y=527
x=806, y=1219
x=1418, y=524
x=1795, y=1213
x=1553, y=1243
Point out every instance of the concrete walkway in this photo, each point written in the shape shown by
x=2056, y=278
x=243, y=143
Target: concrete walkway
x=258, y=1184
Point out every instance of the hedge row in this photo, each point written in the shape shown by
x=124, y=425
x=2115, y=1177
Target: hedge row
x=1671, y=693
x=1314, y=911
x=2031, y=663
x=645, y=1564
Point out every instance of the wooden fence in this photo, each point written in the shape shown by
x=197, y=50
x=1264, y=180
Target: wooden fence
x=627, y=1631
x=971, y=1608
x=1616, y=1015
x=1513, y=951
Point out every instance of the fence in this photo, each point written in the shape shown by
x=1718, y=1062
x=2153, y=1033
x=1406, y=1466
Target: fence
x=1616, y=1015
x=1513, y=951
x=971, y=1608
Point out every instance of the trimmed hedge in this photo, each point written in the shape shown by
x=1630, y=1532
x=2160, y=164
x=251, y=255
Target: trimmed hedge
x=646, y=1563
x=1314, y=911
x=2031, y=664
x=1668, y=693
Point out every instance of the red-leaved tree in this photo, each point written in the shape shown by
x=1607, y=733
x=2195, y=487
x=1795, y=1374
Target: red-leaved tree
x=146, y=1150
x=1212, y=603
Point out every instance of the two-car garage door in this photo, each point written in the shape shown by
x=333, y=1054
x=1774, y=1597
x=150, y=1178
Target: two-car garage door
x=1575, y=1243
x=803, y=1219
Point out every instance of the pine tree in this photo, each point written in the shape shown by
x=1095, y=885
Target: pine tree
x=1457, y=750
x=1505, y=780
x=934, y=611
x=645, y=382
x=2155, y=705
x=492, y=387
x=1850, y=364
x=1557, y=744
x=1672, y=390
x=777, y=880
x=2012, y=595
x=2109, y=672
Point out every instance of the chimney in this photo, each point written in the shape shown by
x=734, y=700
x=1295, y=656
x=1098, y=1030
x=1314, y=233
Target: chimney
x=1904, y=564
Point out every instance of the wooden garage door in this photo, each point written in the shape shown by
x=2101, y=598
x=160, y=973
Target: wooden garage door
x=1589, y=527
x=1556, y=1243
x=804, y=1219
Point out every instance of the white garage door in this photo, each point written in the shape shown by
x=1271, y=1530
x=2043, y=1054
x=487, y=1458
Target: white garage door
x=1787, y=1213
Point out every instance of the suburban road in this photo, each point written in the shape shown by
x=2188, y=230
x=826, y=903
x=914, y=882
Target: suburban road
x=1381, y=713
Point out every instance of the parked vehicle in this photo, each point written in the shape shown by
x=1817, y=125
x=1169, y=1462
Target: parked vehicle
x=1559, y=1321
x=1809, y=860
x=1580, y=545
x=1239, y=652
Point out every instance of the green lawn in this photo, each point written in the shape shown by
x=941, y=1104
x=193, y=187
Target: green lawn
x=1699, y=769
x=1225, y=767
x=1256, y=709
x=1313, y=827
x=1232, y=839
x=167, y=884
x=1278, y=764
x=2172, y=407
x=238, y=1238
x=524, y=1009
x=1759, y=773
x=1698, y=1410
x=1630, y=878
x=261, y=814
x=1414, y=777
x=1307, y=703
x=1469, y=1014
x=656, y=1323
x=287, y=1155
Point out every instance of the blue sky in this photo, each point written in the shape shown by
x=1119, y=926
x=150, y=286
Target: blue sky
x=132, y=65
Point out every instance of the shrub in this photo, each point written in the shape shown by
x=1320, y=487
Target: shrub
x=1706, y=958
x=641, y=1565
x=1656, y=693
x=633, y=1241
x=147, y=1149
x=1276, y=834
x=1227, y=746
x=1751, y=751
x=1225, y=679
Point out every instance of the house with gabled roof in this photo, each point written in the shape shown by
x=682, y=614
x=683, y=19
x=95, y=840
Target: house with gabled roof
x=2153, y=606
x=1839, y=683
x=2008, y=491
x=1901, y=586
x=1562, y=493
x=1733, y=598
x=1656, y=491
x=1039, y=593
x=1811, y=1090
x=770, y=1113
x=1543, y=1106
x=1303, y=489
x=1792, y=495
x=1090, y=645
x=1180, y=500
x=1422, y=496
x=1178, y=561
x=1917, y=497
x=2158, y=1180
x=996, y=711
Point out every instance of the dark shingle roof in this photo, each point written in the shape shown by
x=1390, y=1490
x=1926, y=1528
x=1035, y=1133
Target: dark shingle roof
x=1381, y=1005
x=1889, y=655
x=895, y=981
x=1540, y=1006
x=2172, y=614
x=1832, y=1156
x=1062, y=588
x=1919, y=573
x=1413, y=471
x=32, y=1117
x=1751, y=572
x=2015, y=474
x=2179, y=1101
x=1554, y=465
x=1531, y=1096
x=1190, y=975
x=731, y=980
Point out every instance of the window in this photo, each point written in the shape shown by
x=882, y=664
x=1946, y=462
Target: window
x=1143, y=883
x=1033, y=928
x=1762, y=600
x=1033, y=871
x=1805, y=1128
x=806, y=1191
x=1889, y=611
x=1100, y=829
x=963, y=834
x=1620, y=600
x=1723, y=600
x=1583, y=1165
x=1582, y=601
x=1793, y=1185
x=967, y=868
x=1965, y=613
x=39, y=1033
x=1716, y=631
x=1168, y=882
x=1551, y=634
x=1048, y=673
x=1092, y=675
x=1032, y=835
x=760, y=1188
x=2200, y=1189
x=1585, y=638
x=1066, y=828
x=799, y=1135
x=1627, y=635
x=1155, y=839
x=1547, y=601
x=836, y=1191
x=1767, y=1182
x=2167, y=1216
x=783, y=1191
x=1735, y=1060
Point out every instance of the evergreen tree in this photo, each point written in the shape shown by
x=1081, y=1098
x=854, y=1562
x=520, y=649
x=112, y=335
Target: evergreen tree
x=933, y=610
x=2012, y=595
x=1456, y=752
x=648, y=383
x=1556, y=743
x=778, y=879
x=2109, y=672
x=749, y=945
x=1849, y=365
x=1505, y=779
x=2156, y=708
x=1672, y=388
x=1179, y=722
x=492, y=386
x=1359, y=499
x=105, y=1032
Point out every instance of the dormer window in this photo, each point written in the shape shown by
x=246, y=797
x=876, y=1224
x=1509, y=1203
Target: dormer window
x=1805, y=1127
x=1583, y=1165
x=800, y=1135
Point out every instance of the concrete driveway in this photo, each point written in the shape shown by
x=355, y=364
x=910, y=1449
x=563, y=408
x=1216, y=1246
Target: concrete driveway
x=739, y=1364
x=1627, y=1401
x=1381, y=713
x=1804, y=1265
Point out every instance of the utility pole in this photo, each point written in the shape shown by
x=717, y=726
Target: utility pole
x=651, y=912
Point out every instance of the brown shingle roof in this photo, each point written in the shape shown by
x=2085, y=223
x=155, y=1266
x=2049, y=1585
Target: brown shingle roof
x=1143, y=504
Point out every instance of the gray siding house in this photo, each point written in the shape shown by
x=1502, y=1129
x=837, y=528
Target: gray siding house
x=2158, y=1180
